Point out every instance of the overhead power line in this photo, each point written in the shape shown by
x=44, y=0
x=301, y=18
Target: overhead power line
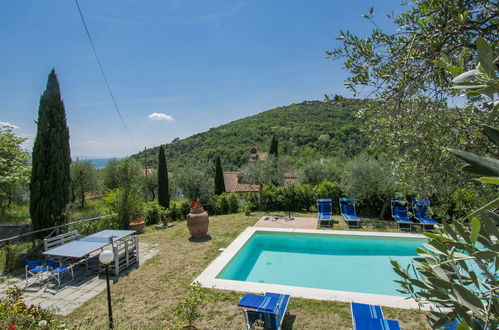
x=104, y=75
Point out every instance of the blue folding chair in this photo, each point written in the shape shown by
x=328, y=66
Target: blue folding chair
x=399, y=213
x=269, y=309
x=420, y=208
x=56, y=271
x=34, y=269
x=347, y=210
x=324, y=211
x=370, y=317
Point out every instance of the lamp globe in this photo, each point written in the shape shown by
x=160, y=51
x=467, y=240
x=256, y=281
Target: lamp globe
x=106, y=257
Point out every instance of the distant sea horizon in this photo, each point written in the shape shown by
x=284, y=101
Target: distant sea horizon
x=98, y=162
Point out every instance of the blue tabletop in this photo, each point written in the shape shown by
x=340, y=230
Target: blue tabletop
x=86, y=245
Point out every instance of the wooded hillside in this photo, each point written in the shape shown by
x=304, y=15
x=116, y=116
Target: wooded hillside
x=311, y=129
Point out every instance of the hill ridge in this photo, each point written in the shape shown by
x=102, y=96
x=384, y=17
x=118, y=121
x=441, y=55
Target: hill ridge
x=311, y=129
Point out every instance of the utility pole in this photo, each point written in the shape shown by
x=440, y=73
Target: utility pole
x=145, y=167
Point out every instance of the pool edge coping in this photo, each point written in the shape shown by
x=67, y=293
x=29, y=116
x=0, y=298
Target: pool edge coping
x=208, y=277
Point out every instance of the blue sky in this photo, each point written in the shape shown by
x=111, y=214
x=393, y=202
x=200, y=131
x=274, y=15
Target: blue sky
x=176, y=67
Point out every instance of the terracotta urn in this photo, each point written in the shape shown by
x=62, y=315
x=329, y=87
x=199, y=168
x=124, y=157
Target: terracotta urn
x=197, y=222
x=138, y=227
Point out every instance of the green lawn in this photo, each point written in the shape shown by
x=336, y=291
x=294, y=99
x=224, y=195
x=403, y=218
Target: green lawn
x=147, y=296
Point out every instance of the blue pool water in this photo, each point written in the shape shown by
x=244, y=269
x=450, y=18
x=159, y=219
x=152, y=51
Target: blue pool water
x=334, y=262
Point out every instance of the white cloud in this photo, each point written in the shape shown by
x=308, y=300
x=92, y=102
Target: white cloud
x=4, y=123
x=160, y=116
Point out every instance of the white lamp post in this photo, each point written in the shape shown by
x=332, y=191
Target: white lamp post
x=106, y=257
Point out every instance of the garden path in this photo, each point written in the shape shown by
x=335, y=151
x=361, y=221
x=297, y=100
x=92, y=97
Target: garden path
x=75, y=293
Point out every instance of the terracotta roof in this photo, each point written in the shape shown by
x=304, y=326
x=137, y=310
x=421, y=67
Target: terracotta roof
x=232, y=184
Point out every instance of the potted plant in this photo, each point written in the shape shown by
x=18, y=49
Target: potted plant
x=248, y=206
x=137, y=225
x=197, y=220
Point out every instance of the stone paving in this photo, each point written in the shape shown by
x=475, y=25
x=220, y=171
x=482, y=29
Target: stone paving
x=72, y=294
x=282, y=222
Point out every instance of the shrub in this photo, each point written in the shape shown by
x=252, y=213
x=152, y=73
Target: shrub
x=463, y=201
x=250, y=202
x=370, y=182
x=179, y=209
x=16, y=314
x=154, y=213
x=89, y=227
x=269, y=197
x=328, y=189
x=174, y=211
x=233, y=202
x=187, y=308
x=221, y=204
x=126, y=204
x=12, y=254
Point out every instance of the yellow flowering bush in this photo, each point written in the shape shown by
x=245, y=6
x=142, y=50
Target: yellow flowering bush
x=16, y=314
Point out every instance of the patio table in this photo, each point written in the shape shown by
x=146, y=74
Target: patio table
x=83, y=247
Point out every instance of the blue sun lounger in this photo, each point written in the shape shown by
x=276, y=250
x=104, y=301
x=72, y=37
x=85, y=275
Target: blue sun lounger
x=269, y=308
x=370, y=317
x=399, y=213
x=347, y=210
x=324, y=211
x=420, y=208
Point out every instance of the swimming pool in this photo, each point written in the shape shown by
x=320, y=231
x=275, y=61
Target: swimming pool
x=335, y=265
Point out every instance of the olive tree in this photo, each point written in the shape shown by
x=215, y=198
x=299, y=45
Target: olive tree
x=14, y=169
x=407, y=114
x=456, y=270
x=83, y=180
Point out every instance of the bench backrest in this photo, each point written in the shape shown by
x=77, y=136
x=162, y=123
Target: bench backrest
x=53, y=242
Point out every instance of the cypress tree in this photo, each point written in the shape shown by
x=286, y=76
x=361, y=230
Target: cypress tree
x=163, y=187
x=51, y=160
x=274, y=147
x=219, y=177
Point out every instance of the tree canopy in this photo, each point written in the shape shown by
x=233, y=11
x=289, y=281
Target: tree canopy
x=308, y=130
x=163, y=185
x=83, y=180
x=14, y=169
x=407, y=75
x=219, y=177
x=50, y=174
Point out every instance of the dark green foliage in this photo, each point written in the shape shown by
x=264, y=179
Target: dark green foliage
x=50, y=175
x=274, y=147
x=314, y=172
x=125, y=200
x=370, y=181
x=219, y=178
x=328, y=189
x=195, y=181
x=299, y=127
x=250, y=202
x=155, y=213
x=299, y=197
x=163, y=187
x=225, y=203
x=178, y=209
